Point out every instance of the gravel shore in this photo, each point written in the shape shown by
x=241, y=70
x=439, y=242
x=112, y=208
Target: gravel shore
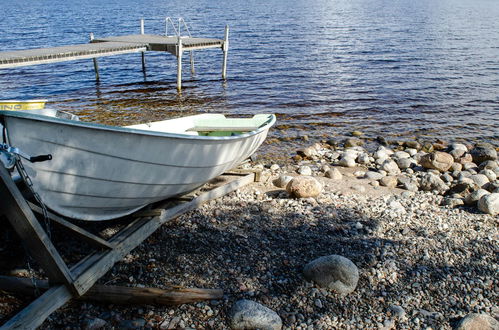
x=421, y=265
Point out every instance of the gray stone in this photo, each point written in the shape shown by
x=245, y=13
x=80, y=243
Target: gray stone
x=309, y=152
x=470, y=166
x=476, y=321
x=440, y=161
x=482, y=153
x=333, y=272
x=456, y=167
x=491, y=175
x=489, y=165
x=474, y=197
x=352, y=142
x=492, y=186
x=382, y=153
x=408, y=183
x=479, y=179
x=401, y=155
x=412, y=144
x=247, y=314
x=371, y=175
x=304, y=187
x=431, y=182
x=347, y=162
x=94, y=324
x=390, y=167
x=397, y=311
x=282, y=181
x=363, y=159
x=305, y=170
x=334, y=174
x=388, y=181
x=457, y=150
x=452, y=201
x=489, y=204
x=405, y=163
x=447, y=178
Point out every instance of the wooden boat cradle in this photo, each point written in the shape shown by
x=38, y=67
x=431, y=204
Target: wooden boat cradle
x=78, y=281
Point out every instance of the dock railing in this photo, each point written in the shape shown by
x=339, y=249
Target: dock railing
x=178, y=28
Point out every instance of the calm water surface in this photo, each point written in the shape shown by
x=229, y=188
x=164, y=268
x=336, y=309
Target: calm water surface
x=395, y=68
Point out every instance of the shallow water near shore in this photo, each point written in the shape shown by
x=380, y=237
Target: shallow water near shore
x=399, y=69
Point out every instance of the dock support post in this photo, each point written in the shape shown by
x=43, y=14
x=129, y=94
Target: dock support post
x=225, y=48
x=142, y=31
x=192, y=62
x=179, y=63
x=96, y=64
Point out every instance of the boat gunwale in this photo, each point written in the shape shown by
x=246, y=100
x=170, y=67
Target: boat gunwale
x=271, y=119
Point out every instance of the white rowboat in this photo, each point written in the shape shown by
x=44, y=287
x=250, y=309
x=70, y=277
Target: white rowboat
x=100, y=172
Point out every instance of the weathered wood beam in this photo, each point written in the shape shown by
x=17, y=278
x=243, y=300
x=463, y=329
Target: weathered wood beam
x=35, y=313
x=30, y=231
x=88, y=237
x=121, y=295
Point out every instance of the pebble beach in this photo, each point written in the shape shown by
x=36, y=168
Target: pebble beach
x=369, y=244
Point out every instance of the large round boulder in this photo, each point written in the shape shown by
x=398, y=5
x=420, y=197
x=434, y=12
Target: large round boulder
x=304, y=187
x=247, y=314
x=438, y=160
x=489, y=204
x=333, y=272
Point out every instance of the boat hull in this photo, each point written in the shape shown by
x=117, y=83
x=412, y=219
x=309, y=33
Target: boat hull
x=22, y=104
x=100, y=172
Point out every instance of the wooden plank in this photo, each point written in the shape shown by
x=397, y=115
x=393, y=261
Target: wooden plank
x=113, y=294
x=74, y=229
x=31, y=232
x=96, y=265
x=35, y=313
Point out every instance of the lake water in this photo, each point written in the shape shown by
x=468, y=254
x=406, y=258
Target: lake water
x=398, y=68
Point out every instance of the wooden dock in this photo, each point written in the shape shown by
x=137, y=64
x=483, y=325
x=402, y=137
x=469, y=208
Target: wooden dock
x=99, y=47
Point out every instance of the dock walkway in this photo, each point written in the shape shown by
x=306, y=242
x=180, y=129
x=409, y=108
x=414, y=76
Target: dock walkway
x=118, y=45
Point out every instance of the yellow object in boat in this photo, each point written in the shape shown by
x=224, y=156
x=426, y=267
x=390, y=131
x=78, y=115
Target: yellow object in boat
x=22, y=104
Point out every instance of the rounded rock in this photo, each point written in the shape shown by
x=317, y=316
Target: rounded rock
x=480, y=179
x=390, y=167
x=334, y=174
x=304, y=187
x=475, y=196
x=333, y=272
x=305, y=170
x=440, y=161
x=475, y=321
x=489, y=204
x=347, y=162
x=389, y=181
x=482, y=153
x=247, y=314
x=282, y=181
